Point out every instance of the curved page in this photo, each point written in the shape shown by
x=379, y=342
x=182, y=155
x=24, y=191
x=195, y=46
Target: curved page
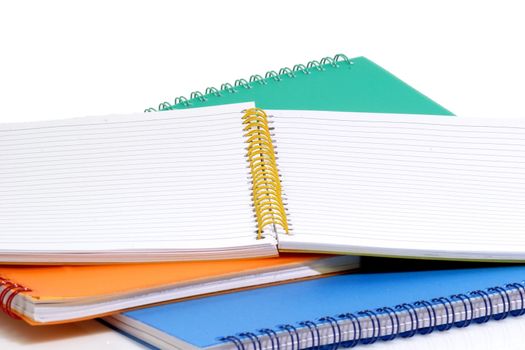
x=400, y=185
x=172, y=185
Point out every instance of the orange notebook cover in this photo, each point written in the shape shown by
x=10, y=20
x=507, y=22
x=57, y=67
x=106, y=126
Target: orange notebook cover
x=55, y=294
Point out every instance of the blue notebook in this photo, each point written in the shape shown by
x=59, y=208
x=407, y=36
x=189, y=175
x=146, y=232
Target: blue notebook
x=342, y=310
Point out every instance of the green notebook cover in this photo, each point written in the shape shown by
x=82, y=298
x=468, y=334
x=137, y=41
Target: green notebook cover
x=338, y=84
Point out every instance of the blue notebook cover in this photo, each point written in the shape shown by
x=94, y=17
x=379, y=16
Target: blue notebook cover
x=463, y=296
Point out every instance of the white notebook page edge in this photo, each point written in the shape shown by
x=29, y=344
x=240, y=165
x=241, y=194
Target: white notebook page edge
x=125, y=246
x=323, y=238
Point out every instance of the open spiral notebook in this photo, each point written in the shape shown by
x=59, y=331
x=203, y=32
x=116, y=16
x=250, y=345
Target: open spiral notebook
x=64, y=194
x=234, y=181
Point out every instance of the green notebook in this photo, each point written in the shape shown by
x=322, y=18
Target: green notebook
x=338, y=84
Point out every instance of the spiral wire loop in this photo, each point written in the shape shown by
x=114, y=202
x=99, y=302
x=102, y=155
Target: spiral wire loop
x=414, y=320
x=286, y=71
x=235, y=340
x=336, y=331
x=506, y=302
x=292, y=331
x=212, y=91
x=376, y=325
x=228, y=88
x=521, y=290
x=272, y=336
x=488, y=305
x=272, y=75
x=369, y=326
x=198, y=95
x=301, y=68
x=357, y=330
x=432, y=318
x=337, y=61
x=314, y=64
x=394, y=322
x=314, y=332
x=256, y=78
x=243, y=83
x=467, y=308
x=8, y=294
x=256, y=343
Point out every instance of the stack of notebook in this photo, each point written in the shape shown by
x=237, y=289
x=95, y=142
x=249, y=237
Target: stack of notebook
x=241, y=212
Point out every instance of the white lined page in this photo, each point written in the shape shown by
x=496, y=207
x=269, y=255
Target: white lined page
x=403, y=185
x=174, y=183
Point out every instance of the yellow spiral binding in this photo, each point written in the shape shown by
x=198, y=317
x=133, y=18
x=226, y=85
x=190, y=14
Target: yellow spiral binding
x=266, y=185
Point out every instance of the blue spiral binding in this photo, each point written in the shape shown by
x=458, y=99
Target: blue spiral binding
x=292, y=331
x=521, y=310
x=356, y=328
x=466, y=308
x=252, y=341
x=431, y=316
x=488, y=304
x=450, y=313
x=394, y=322
x=336, y=331
x=253, y=338
x=506, y=302
x=314, y=331
x=272, y=335
x=414, y=320
x=235, y=340
x=272, y=75
x=376, y=324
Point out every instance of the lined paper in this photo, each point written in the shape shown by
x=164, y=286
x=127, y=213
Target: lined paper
x=159, y=182
x=402, y=184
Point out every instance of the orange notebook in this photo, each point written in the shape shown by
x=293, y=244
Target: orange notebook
x=57, y=294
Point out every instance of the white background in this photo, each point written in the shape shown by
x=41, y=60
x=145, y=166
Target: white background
x=65, y=59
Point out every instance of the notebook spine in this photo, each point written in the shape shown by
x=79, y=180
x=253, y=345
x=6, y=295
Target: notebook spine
x=227, y=88
x=8, y=291
x=401, y=320
x=266, y=184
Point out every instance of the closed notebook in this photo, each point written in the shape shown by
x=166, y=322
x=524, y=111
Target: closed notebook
x=344, y=310
x=330, y=84
x=53, y=294
x=234, y=181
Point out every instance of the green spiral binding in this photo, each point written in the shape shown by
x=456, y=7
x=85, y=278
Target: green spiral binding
x=228, y=88
x=197, y=95
x=212, y=91
x=243, y=83
x=256, y=78
x=273, y=75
